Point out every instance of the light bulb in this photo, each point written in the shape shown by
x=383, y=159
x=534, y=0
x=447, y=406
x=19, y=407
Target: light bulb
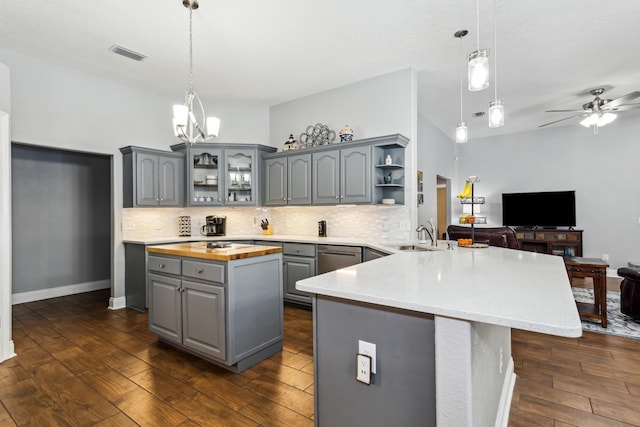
x=496, y=113
x=461, y=133
x=591, y=119
x=213, y=126
x=606, y=118
x=478, y=70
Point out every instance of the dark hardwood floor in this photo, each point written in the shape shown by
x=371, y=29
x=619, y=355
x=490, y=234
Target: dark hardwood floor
x=79, y=363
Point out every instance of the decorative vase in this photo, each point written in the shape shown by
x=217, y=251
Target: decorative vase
x=346, y=134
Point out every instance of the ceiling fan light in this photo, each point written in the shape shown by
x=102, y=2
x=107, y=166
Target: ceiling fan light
x=461, y=133
x=590, y=120
x=606, y=118
x=478, y=70
x=496, y=113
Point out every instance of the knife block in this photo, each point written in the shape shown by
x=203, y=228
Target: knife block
x=269, y=230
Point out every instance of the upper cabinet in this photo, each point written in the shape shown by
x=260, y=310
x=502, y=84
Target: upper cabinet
x=353, y=172
x=287, y=180
x=222, y=174
x=152, y=177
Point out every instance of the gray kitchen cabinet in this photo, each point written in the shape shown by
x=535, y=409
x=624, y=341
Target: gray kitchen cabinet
x=165, y=319
x=340, y=173
x=227, y=312
x=342, y=176
x=223, y=174
x=326, y=177
x=355, y=175
x=152, y=177
x=299, y=262
x=288, y=180
x=203, y=314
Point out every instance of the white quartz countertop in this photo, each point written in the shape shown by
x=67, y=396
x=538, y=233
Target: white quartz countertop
x=506, y=287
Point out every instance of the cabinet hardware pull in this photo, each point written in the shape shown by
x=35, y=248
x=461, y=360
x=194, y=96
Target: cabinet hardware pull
x=337, y=197
x=161, y=266
x=199, y=271
x=161, y=199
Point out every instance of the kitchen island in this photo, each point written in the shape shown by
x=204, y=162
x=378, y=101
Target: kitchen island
x=223, y=304
x=441, y=323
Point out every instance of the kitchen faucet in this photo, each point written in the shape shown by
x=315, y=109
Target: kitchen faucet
x=431, y=231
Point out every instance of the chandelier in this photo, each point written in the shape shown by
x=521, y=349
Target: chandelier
x=185, y=124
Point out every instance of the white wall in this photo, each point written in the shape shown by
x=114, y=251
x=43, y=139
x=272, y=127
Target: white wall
x=59, y=107
x=436, y=156
x=378, y=106
x=6, y=344
x=603, y=170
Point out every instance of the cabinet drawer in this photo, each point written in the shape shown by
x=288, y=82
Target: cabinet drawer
x=203, y=271
x=300, y=249
x=165, y=265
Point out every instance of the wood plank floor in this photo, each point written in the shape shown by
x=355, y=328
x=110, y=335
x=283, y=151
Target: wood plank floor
x=81, y=364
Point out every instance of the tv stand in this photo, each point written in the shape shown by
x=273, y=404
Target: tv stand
x=551, y=241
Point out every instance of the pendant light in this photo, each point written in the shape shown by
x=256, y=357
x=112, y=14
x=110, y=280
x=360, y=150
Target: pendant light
x=461, y=128
x=185, y=123
x=496, y=107
x=478, y=66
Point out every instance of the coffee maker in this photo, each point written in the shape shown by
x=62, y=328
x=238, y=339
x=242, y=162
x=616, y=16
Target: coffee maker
x=215, y=226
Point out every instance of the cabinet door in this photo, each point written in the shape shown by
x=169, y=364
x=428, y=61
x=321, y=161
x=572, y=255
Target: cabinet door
x=170, y=181
x=205, y=180
x=326, y=177
x=297, y=268
x=146, y=179
x=240, y=177
x=204, y=326
x=299, y=180
x=275, y=181
x=355, y=175
x=165, y=310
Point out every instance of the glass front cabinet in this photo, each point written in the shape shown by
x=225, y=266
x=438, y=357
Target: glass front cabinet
x=222, y=174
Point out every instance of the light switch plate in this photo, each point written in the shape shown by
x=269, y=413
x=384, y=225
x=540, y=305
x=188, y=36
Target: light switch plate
x=363, y=368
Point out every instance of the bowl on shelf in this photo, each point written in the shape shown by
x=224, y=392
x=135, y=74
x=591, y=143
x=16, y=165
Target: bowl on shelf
x=388, y=201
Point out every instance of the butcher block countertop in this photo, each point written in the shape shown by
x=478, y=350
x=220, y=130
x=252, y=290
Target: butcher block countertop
x=200, y=250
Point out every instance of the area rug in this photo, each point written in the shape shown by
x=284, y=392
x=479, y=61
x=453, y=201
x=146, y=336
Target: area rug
x=617, y=323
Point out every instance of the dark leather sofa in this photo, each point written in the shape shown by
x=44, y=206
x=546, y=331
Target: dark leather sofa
x=630, y=292
x=504, y=237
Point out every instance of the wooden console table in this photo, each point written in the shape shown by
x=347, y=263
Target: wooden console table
x=578, y=267
x=556, y=242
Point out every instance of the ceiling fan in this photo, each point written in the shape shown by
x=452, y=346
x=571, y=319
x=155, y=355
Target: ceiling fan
x=598, y=112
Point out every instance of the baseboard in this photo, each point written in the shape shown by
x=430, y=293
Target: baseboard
x=59, y=291
x=502, y=417
x=117, y=303
x=9, y=352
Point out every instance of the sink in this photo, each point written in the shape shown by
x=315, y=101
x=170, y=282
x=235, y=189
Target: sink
x=413, y=248
x=420, y=248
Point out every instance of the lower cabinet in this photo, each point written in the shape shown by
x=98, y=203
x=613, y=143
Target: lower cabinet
x=298, y=262
x=229, y=313
x=188, y=313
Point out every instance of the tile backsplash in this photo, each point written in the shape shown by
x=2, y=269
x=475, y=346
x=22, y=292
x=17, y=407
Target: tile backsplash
x=376, y=222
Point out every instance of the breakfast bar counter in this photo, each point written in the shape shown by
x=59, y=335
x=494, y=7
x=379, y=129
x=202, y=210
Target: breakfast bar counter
x=441, y=322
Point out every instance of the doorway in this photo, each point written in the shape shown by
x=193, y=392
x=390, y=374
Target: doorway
x=443, y=189
x=61, y=222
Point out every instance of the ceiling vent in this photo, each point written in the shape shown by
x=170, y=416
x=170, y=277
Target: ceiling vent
x=127, y=53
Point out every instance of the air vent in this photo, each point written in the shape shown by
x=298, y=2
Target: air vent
x=127, y=52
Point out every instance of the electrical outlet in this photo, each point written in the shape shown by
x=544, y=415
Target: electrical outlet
x=368, y=349
x=605, y=257
x=157, y=225
x=363, y=368
x=128, y=226
x=405, y=225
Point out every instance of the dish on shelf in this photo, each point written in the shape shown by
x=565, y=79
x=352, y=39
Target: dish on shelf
x=388, y=201
x=198, y=182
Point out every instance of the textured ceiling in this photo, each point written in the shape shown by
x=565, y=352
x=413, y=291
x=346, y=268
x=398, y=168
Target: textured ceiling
x=256, y=52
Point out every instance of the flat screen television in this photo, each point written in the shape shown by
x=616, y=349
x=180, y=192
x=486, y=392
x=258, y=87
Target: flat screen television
x=547, y=209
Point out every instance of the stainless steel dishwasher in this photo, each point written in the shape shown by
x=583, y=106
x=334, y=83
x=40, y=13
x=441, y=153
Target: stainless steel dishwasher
x=333, y=257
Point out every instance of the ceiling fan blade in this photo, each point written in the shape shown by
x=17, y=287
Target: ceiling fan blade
x=622, y=100
x=561, y=120
x=623, y=108
x=565, y=111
